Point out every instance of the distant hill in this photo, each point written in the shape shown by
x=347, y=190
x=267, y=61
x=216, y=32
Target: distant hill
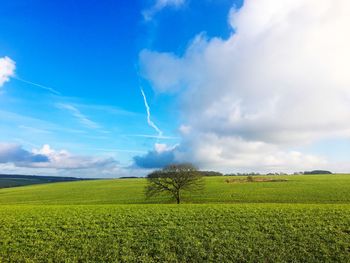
x=318, y=172
x=12, y=180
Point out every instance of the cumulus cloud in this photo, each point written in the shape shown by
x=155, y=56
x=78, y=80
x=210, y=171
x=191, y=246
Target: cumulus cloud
x=64, y=163
x=14, y=153
x=159, y=157
x=62, y=159
x=159, y=5
x=7, y=69
x=278, y=82
x=224, y=153
x=48, y=158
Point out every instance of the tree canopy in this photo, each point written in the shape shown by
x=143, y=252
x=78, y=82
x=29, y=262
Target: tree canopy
x=173, y=179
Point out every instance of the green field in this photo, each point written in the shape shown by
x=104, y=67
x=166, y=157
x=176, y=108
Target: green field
x=297, y=189
x=304, y=219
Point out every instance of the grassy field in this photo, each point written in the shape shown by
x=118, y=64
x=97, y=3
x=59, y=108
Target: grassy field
x=304, y=219
x=297, y=189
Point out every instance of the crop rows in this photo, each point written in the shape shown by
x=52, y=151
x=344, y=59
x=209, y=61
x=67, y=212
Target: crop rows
x=185, y=233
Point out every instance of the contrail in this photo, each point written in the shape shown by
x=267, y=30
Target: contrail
x=149, y=121
x=38, y=85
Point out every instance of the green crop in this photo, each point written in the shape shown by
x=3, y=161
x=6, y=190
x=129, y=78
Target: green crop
x=303, y=219
x=170, y=233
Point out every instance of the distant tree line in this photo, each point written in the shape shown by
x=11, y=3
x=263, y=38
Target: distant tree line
x=318, y=172
x=212, y=173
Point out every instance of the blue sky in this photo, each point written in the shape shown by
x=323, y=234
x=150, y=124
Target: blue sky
x=80, y=65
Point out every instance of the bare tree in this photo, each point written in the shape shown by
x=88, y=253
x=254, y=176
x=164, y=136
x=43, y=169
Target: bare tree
x=174, y=179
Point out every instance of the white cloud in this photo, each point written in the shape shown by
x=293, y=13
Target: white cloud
x=224, y=153
x=46, y=157
x=278, y=82
x=159, y=5
x=7, y=69
x=14, y=153
x=185, y=129
x=62, y=159
x=14, y=159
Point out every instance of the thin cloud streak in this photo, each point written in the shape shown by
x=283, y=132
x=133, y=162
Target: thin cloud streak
x=149, y=13
x=120, y=150
x=154, y=136
x=149, y=121
x=78, y=115
x=38, y=85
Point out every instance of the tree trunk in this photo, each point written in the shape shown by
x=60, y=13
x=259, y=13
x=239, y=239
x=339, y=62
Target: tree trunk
x=177, y=197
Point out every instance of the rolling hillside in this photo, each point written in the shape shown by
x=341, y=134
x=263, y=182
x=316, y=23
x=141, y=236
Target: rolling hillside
x=296, y=189
x=299, y=219
x=13, y=180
